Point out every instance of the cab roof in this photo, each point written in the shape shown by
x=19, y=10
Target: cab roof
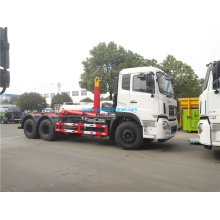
x=140, y=70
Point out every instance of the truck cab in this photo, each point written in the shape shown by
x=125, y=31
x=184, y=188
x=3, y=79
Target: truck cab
x=209, y=107
x=145, y=95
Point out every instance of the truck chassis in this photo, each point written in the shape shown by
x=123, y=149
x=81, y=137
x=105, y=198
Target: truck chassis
x=126, y=131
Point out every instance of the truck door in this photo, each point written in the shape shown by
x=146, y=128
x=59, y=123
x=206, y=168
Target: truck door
x=142, y=96
x=124, y=91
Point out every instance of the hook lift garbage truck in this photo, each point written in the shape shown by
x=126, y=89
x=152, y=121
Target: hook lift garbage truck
x=209, y=107
x=144, y=109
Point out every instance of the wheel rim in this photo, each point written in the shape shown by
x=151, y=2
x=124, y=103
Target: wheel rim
x=128, y=136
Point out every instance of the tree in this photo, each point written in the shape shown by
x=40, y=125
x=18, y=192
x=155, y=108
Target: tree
x=105, y=99
x=87, y=99
x=60, y=99
x=185, y=81
x=31, y=101
x=3, y=101
x=13, y=100
x=106, y=62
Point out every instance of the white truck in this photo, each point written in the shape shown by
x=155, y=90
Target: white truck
x=209, y=107
x=144, y=108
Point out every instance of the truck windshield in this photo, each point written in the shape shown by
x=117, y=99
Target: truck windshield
x=165, y=86
x=205, y=84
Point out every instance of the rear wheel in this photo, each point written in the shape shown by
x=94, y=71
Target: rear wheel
x=129, y=136
x=46, y=130
x=30, y=129
x=4, y=120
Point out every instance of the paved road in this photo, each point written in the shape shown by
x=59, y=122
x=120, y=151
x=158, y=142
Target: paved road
x=93, y=164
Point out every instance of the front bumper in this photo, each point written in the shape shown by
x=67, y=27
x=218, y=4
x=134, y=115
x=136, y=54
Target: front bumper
x=209, y=134
x=166, y=129
x=163, y=129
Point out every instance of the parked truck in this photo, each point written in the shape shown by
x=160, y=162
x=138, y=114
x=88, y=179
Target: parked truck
x=144, y=108
x=209, y=107
x=9, y=113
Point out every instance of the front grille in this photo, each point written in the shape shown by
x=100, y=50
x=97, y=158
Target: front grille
x=172, y=110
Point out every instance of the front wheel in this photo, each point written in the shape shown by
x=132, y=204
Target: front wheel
x=46, y=130
x=129, y=136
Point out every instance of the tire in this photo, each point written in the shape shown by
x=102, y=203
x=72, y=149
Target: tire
x=46, y=130
x=2, y=121
x=30, y=129
x=128, y=135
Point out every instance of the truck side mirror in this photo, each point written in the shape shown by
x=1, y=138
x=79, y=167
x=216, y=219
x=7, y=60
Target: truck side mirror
x=4, y=60
x=216, y=70
x=141, y=76
x=150, y=79
x=169, y=78
x=4, y=78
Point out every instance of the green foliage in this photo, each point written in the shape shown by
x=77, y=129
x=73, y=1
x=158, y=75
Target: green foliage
x=185, y=81
x=31, y=101
x=13, y=100
x=106, y=62
x=105, y=99
x=4, y=101
x=87, y=99
x=60, y=99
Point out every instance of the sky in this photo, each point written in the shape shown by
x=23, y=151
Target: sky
x=50, y=39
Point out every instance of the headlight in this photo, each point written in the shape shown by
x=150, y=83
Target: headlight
x=165, y=126
x=200, y=128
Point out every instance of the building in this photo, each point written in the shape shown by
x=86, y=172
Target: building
x=71, y=88
x=8, y=98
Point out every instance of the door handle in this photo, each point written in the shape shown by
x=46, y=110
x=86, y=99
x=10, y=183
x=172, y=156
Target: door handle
x=133, y=101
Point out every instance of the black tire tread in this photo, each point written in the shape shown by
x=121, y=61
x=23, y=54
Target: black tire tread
x=31, y=135
x=52, y=134
x=138, y=132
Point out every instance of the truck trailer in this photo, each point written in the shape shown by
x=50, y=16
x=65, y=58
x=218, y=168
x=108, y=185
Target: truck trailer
x=209, y=107
x=144, y=109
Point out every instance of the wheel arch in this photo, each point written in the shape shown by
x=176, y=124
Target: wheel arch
x=130, y=116
x=120, y=118
x=28, y=117
x=43, y=118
